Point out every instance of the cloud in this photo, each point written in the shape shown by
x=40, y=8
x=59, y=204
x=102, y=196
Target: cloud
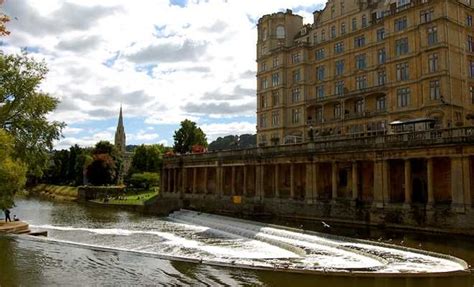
x=79, y=44
x=213, y=131
x=217, y=109
x=169, y=52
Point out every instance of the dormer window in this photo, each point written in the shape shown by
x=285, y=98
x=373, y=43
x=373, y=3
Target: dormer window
x=280, y=32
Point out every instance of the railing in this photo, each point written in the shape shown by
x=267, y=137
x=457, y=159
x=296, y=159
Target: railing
x=353, y=93
x=434, y=137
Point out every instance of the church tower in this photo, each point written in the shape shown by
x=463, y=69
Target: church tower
x=120, y=140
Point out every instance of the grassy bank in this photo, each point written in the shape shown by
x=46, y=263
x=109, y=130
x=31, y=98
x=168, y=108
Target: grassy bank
x=56, y=192
x=130, y=199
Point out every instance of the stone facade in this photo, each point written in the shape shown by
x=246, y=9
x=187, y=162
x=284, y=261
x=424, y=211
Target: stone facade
x=417, y=180
x=363, y=64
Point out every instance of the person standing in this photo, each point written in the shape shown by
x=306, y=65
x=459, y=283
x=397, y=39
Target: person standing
x=7, y=215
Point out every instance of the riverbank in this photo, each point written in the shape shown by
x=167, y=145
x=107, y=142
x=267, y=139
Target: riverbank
x=53, y=192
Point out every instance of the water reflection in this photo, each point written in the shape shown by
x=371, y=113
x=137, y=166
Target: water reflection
x=30, y=263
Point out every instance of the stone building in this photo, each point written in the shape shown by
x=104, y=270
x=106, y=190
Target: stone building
x=364, y=117
x=120, y=137
x=362, y=65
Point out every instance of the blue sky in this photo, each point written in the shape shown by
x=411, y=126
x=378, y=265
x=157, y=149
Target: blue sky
x=163, y=60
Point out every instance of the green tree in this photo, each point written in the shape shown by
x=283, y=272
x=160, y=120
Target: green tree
x=147, y=158
x=102, y=170
x=145, y=180
x=23, y=110
x=187, y=136
x=12, y=172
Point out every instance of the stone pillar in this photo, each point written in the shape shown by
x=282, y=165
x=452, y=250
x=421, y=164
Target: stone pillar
x=386, y=181
x=163, y=180
x=355, y=181
x=244, y=191
x=334, y=180
x=258, y=182
x=309, y=183
x=232, y=182
x=206, y=174
x=292, y=181
x=315, y=181
x=381, y=179
x=457, y=183
x=430, y=181
x=184, y=183
x=277, y=179
x=168, y=177
x=466, y=168
x=194, y=179
x=219, y=180
x=408, y=191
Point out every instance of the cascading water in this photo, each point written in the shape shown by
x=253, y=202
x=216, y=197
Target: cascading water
x=218, y=240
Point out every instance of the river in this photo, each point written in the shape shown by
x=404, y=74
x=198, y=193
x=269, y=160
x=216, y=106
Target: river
x=28, y=262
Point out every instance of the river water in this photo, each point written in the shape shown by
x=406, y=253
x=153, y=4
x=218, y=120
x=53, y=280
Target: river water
x=71, y=257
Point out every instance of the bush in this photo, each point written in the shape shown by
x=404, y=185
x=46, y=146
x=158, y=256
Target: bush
x=145, y=180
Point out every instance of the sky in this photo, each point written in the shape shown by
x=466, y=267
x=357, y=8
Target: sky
x=163, y=60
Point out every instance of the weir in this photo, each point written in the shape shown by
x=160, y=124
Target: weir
x=222, y=241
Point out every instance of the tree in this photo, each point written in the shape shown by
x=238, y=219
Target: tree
x=23, y=110
x=102, y=170
x=12, y=171
x=187, y=136
x=147, y=158
x=233, y=142
x=3, y=20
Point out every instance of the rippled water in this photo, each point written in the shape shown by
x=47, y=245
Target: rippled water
x=34, y=263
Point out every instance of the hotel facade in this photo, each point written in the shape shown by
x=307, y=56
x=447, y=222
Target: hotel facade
x=362, y=65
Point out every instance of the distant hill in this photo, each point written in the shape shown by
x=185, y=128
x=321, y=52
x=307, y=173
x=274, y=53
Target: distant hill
x=233, y=142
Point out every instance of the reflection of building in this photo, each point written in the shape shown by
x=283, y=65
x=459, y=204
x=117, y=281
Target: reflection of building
x=363, y=64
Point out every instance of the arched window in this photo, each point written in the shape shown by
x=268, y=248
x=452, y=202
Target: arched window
x=280, y=32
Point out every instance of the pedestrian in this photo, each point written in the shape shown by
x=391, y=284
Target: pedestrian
x=7, y=215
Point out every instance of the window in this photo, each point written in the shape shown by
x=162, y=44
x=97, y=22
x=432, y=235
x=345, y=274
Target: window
x=263, y=67
x=401, y=3
x=469, y=20
x=426, y=16
x=359, y=41
x=339, y=67
x=320, y=73
x=295, y=116
x=381, y=77
x=319, y=55
x=402, y=72
x=337, y=111
x=381, y=56
x=280, y=32
x=343, y=28
x=400, y=24
x=361, y=82
x=315, y=38
x=320, y=91
x=471, y=69
x=263, y=101
x=339, y=88
x=354, y=24
x=296, y=76
x=471, y=92
x=333, y=32
x=275, y=119
x=359, y=106
x=264, y=83
x=295, y=95
x=275, y=98
x=380, y=34
x=319, y=115
x=432, y=35
x=381, y=104
x=263, y=121
x=433, y=63
x=296, y=58
x=323, y=36
x=470, y=43
x=361, y=62
x=403, y=97
x=364, y=21
x=339, y=47
x=276, y=62
x=435, y=91
x=275, y=79
x=333, y=11
x=401, y=46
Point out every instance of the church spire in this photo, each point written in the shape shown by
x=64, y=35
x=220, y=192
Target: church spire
x=120, y=139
